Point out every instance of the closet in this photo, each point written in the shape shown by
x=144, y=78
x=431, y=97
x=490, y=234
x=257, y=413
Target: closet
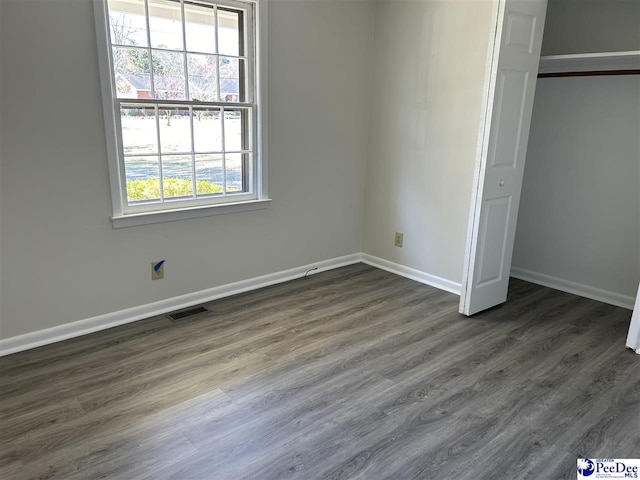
x=579, y=219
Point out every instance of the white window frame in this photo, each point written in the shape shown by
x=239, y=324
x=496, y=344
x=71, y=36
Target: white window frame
x=125, y=215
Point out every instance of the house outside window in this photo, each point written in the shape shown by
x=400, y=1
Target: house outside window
x=183, y=96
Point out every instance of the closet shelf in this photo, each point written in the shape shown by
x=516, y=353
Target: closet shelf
x=585, y=64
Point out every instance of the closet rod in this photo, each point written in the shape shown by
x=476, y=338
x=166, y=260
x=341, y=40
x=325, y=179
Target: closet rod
x=592, y=73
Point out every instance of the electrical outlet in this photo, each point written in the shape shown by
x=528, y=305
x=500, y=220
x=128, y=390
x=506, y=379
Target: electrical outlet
x=399, y=239
x=157, y=270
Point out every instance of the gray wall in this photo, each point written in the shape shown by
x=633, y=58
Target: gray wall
x=61, y=260
x=425, y=114
x=1, y=141
x=588, y=26
x=579, y=218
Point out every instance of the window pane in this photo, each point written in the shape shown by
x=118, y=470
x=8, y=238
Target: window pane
x=132, y=68
x=143, y=178
x=127, y=22
x=139, y=133
x=234, y=170
x=229, y=32
x=200, y=28
x=233, y=129
x=203, y=77
x=165, y=24
x=230, y=88
x=209, y=174
x=207, y=130
x=177, y=176
x=168, y=75
x=175, y=130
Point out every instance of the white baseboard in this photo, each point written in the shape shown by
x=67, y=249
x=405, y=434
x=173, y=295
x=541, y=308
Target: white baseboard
x=568, y=286
x=412, y=273
x=109, y=320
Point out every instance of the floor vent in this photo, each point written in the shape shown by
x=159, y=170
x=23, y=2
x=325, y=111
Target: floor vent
x=187, y=313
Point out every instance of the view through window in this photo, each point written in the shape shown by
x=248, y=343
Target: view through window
x=185, y=114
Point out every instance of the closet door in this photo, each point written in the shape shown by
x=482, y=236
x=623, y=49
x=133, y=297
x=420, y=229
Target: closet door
x=502, y=148
x=633, y=338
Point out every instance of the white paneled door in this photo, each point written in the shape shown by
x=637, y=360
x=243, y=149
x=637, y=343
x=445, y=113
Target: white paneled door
x=509, y=91
x=633, y=338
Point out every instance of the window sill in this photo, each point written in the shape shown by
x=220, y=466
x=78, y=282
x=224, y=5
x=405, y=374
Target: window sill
x=147, y=218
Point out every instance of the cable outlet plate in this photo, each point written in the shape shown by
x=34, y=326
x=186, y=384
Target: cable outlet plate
x=157, y=270
x=399, y=239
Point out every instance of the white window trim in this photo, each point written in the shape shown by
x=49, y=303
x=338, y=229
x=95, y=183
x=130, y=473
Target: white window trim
x=118, y=196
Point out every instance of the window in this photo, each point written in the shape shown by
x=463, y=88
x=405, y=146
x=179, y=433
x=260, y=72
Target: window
x=184, y=107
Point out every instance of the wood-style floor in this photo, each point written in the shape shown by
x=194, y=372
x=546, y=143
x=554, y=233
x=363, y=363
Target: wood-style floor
x=353, y=373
